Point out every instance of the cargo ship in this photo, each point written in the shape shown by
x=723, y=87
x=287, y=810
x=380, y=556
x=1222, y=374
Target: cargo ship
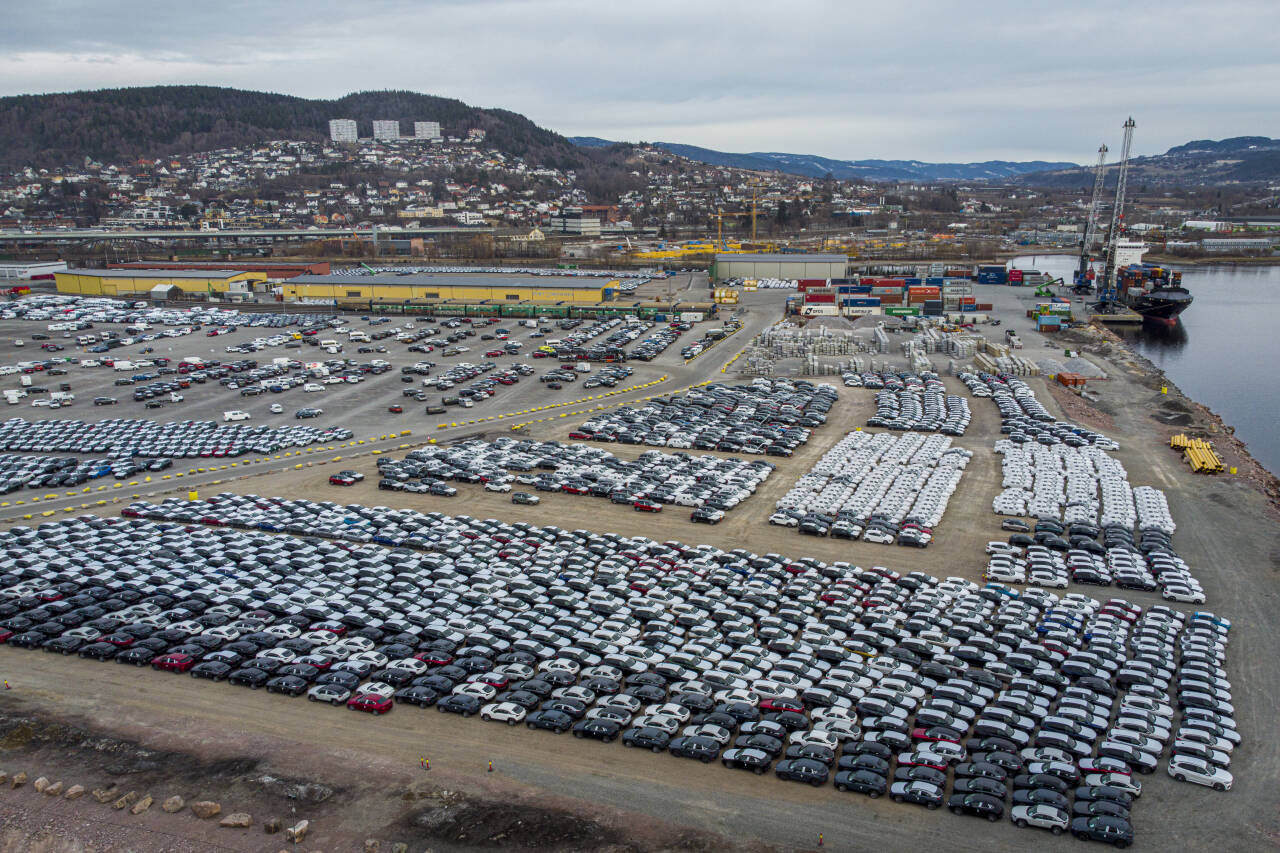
x=1154, y=292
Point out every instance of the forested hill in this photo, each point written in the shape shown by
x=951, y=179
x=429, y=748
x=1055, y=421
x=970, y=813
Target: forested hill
x=121, y=125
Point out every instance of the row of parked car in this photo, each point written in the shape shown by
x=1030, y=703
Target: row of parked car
x=921, y=405
x=118, y=437
x=879, y=682
x=654, y=478
x=55, y=472
x=878, y=487
x=769, y=416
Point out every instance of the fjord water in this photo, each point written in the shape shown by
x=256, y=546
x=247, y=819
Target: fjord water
x=1225, y=351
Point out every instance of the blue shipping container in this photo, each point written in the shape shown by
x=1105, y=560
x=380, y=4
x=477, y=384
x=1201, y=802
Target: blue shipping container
x=934, y=280
x=860, y=302
x=860, y=288
x=912, y=281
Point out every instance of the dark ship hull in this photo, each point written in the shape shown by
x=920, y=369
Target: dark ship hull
x=1162, y=305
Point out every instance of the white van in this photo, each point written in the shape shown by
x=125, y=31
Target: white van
x=235, y=415
x=312, y=386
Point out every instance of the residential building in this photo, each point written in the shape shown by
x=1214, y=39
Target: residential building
x=426, y=130
x=343, y=130
x=386, y=129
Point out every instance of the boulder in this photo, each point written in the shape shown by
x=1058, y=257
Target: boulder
x=372, y=845
x=237, y=820
x=271, y=826
x=125, y=801
x=18, y=780
x=142, y=805
x=298, y=831
x=104, y=796
x=174, y=804
x=75, y=792
x=53, y=790
x=204, y=809
x=40, y=784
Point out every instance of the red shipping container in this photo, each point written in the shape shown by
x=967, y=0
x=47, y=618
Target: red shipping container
x=890, y=298
x=811, y=297
x=806, y=283
x=1015, y=275
x=968, y=300
x=985, y=306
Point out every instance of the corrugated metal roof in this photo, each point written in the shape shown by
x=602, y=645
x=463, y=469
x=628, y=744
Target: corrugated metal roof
x=781, y=258
x=160, y=274
x=452, y=280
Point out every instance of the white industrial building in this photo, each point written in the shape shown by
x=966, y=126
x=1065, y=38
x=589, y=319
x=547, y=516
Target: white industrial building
x=779, y=266
x=27, y=270
x=343, y=130
x=426, y=130
x=386, y=129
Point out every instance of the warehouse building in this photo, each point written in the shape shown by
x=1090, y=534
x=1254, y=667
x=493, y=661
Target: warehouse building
x=198, y=284
x=275, y=270
x=27, y=270
x=779, y=265
x=407, y=289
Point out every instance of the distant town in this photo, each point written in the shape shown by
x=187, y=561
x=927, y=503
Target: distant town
x=480, y=202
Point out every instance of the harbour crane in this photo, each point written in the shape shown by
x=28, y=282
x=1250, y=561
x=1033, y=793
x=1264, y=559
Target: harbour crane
x=1107, y=293
x=1084, y=275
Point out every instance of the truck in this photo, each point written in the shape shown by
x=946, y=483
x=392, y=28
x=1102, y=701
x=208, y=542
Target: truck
x=63, y=397
x=121, y=366
x=529, y=324
x=691, y=317
x=1013, y=339
x=582, y=367
x=235, y=415
x=13, y=395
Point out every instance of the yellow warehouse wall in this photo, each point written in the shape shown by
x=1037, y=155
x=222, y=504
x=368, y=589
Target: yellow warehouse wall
x=88, y=284
x=402, y=293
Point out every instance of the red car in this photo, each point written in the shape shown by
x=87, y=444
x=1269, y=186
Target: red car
x=174, y=662
x=371, y=703
x=395, y=409
x=778, y=703
x=495, y=353
x=5, y=634
x=435, y=658
x=937, y=733
x=646, y=506
x=340, y=480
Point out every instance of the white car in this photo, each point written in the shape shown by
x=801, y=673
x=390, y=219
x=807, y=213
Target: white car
x=1184, y=768
x=1041, y=815
x=493, y=486
x=483, y=692
x=334, y=694
x=504, y=712
x=378, y=688
x=276, y=408
x=783, y=520
x=236, y=416
x=1187, y=596
x=1123, y=781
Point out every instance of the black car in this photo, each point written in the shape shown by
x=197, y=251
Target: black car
x=291, y=684
x=703, y=749
x=646, y=737
x=802, y=770
x=420, y=695
x=979, y=805
x=871, y=763
x=982, y=785
x=861, y=781
x=600, y=729
x=1113, y=830
x=459, y=703
x=212, y=670
x=1048, y=796
x=1102, y=808
x=755, y=760
x=1041, y=780
x=920, y=773
x=550, y=719
x=249, y=676
x=99, y=651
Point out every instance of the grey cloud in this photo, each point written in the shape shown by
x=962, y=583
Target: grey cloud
x=925, y=79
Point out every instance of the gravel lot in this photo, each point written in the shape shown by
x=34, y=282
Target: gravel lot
x=1226, y=533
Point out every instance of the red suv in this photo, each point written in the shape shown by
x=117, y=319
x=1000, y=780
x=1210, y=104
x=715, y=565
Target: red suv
x=174, y=662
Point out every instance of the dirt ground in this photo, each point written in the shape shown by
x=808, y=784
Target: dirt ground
x=356, y=777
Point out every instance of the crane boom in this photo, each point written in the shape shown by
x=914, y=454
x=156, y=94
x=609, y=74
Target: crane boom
x=1091, y=223
x=1117, y=213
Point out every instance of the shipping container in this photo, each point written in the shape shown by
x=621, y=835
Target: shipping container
x=860, y=310
x=812, y=297
x=856, y=301
x=984, y=306
x=859, y=288
x=889, y=298
x=913, y=281
x=903, y=311
x=806, y=283
x=819, y=310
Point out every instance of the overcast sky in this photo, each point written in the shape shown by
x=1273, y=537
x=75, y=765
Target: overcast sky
x=911, y=79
